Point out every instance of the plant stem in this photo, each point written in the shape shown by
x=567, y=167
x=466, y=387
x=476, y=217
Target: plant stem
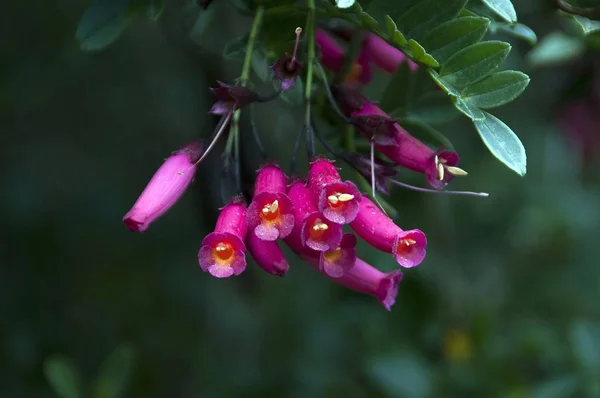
x=310, y=37
x=245, y=76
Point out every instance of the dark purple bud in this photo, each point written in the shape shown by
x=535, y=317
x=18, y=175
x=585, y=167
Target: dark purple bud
x=230, y=97
x=286, y=70
x=378, y=128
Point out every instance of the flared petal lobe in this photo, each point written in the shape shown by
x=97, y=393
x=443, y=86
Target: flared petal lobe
x=337, y=262
x=268, y=255
x=380, y=231
x=270, y=216
x=164, y=189
x=222, y=252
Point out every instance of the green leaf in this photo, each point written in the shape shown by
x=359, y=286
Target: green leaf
x=556, y=48
x=518, y=30
x=584, y=25
x=503, y=8
x=468, y=109
x=103, y=22
x=390, y=26
x=396, y=95
x=420, y=55
x=235, y=49
x=497, y=89
x=585, y=340
x=115, y=373
x=155, y=9
x=398, y=39
x=344, y=3
x=420, y=19
x=443, y=84
x=260, y=65
x=368, y=21
x=426, y=133
x=474, y=62
x=62, y=375
x=433, y=107
x=452, y=36
x=503, y=143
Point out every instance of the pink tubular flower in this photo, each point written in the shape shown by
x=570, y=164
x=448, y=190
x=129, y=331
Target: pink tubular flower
x=384, y=55
x=222, y=252
x=270, y=215
x=267, y=255
x=365, y=278
x=337, y=200
x=407, y=151
x=337, y=262
x=312, y=230
x=378, y=230
x=332, y=58
x=164, y=189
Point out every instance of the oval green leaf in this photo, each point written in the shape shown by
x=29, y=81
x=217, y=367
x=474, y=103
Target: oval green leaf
x=102, y=23
x=497, y=89
x=452, y=36
x=518, y=30
x=419, y=20
x=474, y=62
x=556, y=48
x=115, y=373
x=503, y=8
x=468, y=109
x=503, y=143
x=63, y=377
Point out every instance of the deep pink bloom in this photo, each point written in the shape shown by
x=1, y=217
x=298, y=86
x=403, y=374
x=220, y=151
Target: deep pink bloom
x=365, y=278
x=438, y=166
x=384, y=55
x=164, y=189
x=312, y=230
x=222, y=252
x=270, y=215
x=337, y=262
x=333, y=55
x=267, y=254
x=337, y=200
x=380, y=231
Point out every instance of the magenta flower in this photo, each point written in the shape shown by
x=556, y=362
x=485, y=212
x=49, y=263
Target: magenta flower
x=439, y=167
x=337, y=200
x=287, y=69
x=337, y=262
x=365, y=278
x=164, y=189
x=333, y=55
x=268, y=255
x=270, y=215
x=312, y=230
x=230, y=98
x=380, y=231
x=222, y=252
x=385, y=55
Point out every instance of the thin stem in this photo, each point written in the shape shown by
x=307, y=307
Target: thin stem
x=310, y=31
x=334, y=152
x=295, y=150
x=330, y=96
x=419, y=189
x=259, y=144
x=373, y=186
x=212, y=144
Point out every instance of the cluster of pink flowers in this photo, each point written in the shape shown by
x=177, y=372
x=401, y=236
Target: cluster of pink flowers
x=309, y=215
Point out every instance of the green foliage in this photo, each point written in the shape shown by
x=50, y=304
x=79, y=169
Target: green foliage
x=114, y=374
x=452, y=36
x=418, y=21
x=473, y=63
x=497, y=89
x=517, y=30
x=503, y=8
x=503, y=143
x=105, y=20
x=556, y=48
x=62, y=375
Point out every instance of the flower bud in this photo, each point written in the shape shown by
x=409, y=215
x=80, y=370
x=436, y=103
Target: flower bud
x=230, y=98
x=268, y=255
x=164, y=189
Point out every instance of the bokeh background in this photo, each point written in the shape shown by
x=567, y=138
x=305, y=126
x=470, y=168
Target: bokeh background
x=505, y=305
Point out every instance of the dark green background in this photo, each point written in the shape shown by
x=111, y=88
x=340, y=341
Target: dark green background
x=505, y=304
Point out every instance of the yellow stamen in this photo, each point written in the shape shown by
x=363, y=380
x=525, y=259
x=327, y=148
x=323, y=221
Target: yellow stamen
x=319, y=226
x=440, y=172
x=346, y=197
x=333, y=199
x=457, y=171
x=410, y=242
x=272, y=208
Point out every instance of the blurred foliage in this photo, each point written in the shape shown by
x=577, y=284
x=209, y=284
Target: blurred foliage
x=505, y=304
